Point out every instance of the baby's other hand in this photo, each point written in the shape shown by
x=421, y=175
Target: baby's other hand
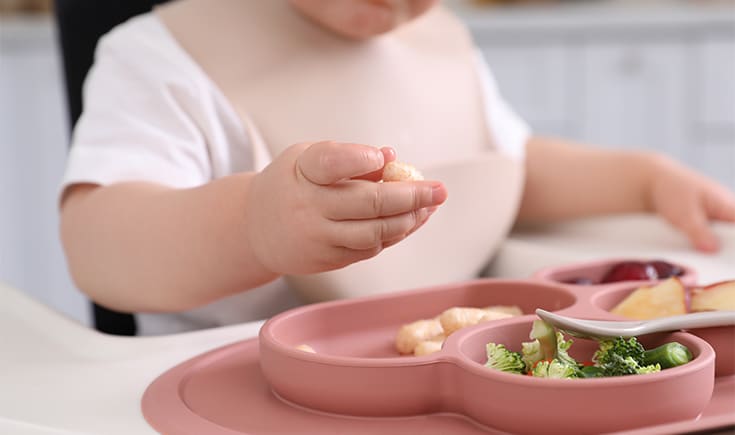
x=689, y=201
x=318, y=207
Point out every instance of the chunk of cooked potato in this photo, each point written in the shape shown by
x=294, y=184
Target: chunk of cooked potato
x=426, y=336
x=427, y=347
x=409, y=336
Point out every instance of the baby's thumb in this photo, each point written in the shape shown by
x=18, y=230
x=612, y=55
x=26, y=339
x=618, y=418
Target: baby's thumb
x=327, y=162
x=697, y=228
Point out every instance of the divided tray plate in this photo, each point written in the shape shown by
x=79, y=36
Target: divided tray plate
x=356, y=382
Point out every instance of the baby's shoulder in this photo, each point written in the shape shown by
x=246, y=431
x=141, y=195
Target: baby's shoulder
x=140, y=33
x=144, y=45
x=141, y=54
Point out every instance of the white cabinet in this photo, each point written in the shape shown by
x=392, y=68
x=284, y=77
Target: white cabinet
x=524, y=73
x=712, y=139
x=633, y=74
x=633, y=94
x=714, y=68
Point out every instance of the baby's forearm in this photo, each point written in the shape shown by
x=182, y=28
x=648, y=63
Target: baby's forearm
x=145, y=247
x=566, y=180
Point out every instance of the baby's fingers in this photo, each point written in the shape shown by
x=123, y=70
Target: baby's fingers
x=717, y=204
x=696, y=226
x=377, y=233
x=357, y=200
x=328, y=162
x=720, y=204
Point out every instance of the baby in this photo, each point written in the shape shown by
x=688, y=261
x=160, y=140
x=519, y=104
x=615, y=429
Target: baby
x=225, y=166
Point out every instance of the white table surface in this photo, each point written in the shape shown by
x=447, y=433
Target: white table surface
x=59, y=377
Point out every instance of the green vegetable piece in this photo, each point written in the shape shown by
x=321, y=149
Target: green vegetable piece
x=549, y=345
x=500, y=358
x=591, y=372
x=554, y=369
x=546, y=335
x=531, y=352
x=619, y=357
x=653, y=368
x=668, y=355
x=562, y=350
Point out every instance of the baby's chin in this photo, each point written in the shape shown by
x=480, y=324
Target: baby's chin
x=362, y=19
x=366, y=28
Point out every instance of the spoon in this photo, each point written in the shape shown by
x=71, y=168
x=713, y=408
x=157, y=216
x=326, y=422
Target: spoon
x=605, y=328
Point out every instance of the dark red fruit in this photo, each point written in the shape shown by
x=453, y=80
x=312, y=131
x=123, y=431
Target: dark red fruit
x=665, y=269
x=630, y=271
x=578, y=281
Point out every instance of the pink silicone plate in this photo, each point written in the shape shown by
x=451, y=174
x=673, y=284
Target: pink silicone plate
x=357, y=383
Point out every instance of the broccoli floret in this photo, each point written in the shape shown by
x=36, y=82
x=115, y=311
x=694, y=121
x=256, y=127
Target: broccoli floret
x=615, y=357
x=541, y=349
x=619, y=347
x=554, y=369
x=562, y=350
x=653, y=368
x=541, y=369
x=500, y=358
x=619, y=357
x=531, y=352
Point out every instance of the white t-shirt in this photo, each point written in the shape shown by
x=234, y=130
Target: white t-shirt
x=152, y=114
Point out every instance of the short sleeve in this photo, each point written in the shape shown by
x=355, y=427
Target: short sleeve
x=149, y=114
x=509, y=131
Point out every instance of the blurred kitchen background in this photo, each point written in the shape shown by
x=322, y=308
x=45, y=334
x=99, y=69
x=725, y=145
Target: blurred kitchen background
x=619, y=73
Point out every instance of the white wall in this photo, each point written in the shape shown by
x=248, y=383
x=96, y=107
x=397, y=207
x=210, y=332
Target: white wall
x=33, y=141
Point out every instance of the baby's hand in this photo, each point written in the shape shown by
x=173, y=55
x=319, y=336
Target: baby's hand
x=319, y=207
x=689, y=201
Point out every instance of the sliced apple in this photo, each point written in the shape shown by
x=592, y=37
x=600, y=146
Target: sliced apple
x=714, y=297
x=668, y=298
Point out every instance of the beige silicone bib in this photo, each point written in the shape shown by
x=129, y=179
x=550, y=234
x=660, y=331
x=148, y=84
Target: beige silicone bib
x=415, y=89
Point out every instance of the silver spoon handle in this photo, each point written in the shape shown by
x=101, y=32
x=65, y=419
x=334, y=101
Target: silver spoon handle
x=690, y=321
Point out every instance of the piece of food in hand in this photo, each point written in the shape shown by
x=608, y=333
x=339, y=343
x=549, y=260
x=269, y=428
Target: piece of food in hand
x=409, y=336
x=397, y=171
x=630, y=271
x=305, y=348
x=668, y=298
x=457, y=318
x=714, y=297
x=427, y=347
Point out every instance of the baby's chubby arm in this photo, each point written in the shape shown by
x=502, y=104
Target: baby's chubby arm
x=566, y=180
x=140, y=246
